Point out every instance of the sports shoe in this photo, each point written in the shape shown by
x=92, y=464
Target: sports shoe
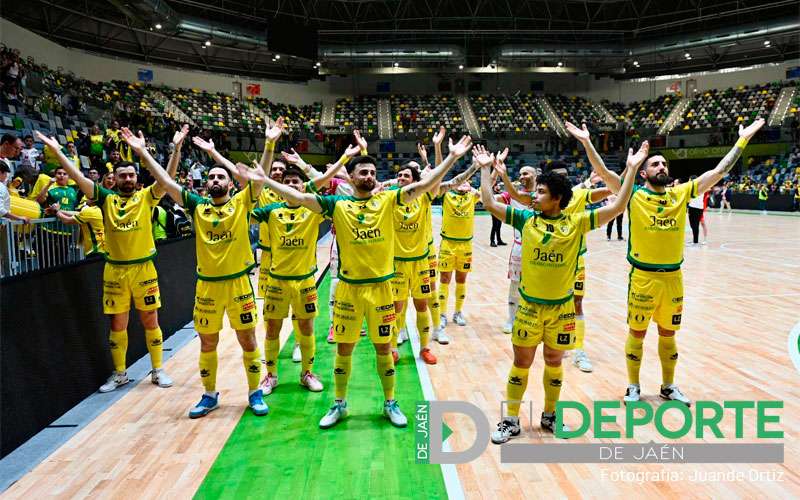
x=632, y=394
x=116, y=379
x=458, y=319
x=395, y=356
x=257, y=404
x=311, y=382
x=442, y=320
x=330, y=336
x=442, y=337
x=507, y=428
x=391, y=410
x=508, y=327
x=427, y=356
x=160, y=378
x=672, y=393
x=297, y=356
x=206, y=405
x=548, y=423
x=402, y=336
x=268, y=384
x=581, y=360
x=337, y=412
x=501, y=243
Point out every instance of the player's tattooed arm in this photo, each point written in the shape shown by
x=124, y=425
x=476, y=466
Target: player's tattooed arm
x=500, y=168
x=496, y=208
x=458, y=179
x=292, y=196
x=175, y=157
x=457, y=150
x=271, y=136
x=582, y=135
x=710, y=178
x=612, y=210
x=83, y=182
x=164, y=183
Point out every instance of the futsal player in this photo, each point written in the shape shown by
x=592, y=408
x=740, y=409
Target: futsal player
x=224, y=260
x=130, y=250
x=657, y=215
x=366, y=243
x=551, y=242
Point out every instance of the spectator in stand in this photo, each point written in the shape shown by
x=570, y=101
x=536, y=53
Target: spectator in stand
x=12, y=73
x=96, y=140
x=94, y=174
x=196, y=174
x=109, y=182
x=5, y=197
x=90, y=220
x=30, y=154
x=113, y=159
x=72, y=153
x=795, y=126
x=763, y=196
x=62, y=193
x=726, y=193
x=10, y=148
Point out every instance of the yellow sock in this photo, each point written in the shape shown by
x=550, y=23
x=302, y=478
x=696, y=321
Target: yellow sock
x=307, y=347
x=553, y=376
x=295, y=329
x=580, y=331
x=154, y=347
x=271, y=349
x=515, y=388
x=252, y=367
x=444, y=292
x=435, y=309
x=424, y=328
x=634, y=348
x=386, y=373
x=668, y=353
x=118, y=342
x=341, y=374
x=461, y=294
x=208, y=370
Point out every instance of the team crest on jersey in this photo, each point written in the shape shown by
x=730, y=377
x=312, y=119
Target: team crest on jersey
x=564, y=229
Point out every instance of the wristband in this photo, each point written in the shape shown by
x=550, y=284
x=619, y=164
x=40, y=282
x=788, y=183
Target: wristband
x=364, y=152
x=742, y=142
x=269, y=146
x=344, y=159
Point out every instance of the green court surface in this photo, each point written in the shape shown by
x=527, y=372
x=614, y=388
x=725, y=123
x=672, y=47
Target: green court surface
x=286, y=455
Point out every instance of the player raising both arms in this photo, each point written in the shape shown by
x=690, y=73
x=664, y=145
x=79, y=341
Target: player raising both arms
x=551, y=242
x=130, y=250
x=365, y=236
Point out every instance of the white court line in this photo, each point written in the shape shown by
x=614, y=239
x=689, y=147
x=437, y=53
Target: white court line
x=736, y=254
x=794, y=346
x=452, y=483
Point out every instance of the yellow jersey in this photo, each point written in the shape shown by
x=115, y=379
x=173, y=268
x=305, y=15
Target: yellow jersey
x=656, y=224
x=269, y=197
x=577, y=204
x=364, y=234
x=411, y=229
x=92, y=234
x=294, y=233
x=41, y=183
x=458, y=215
x=223, y=234
x=127, y=221
x=550, y=249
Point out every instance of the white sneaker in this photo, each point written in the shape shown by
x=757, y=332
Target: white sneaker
x=311, y=382
x=508, y=327
x=442, y=320
x=268, y=384
x=442, y=337
x=581, y=360
x=458, y=319
x=337, y=412
x=632, y=394
x=297, y=356
x=507, y=428
x=672, y=393
x=402, y=336
x=160, y=378
x=115, y=380
x=392, y=411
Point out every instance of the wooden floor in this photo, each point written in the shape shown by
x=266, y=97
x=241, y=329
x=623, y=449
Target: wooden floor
x=742, y=299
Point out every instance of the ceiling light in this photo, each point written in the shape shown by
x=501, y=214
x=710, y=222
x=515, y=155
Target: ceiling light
x=687, y=55
x=766, y=43
x=158, y=26
x=277, y=56
x=460, y=66
x=560, y=64
x=208, y=43
x=396, y=65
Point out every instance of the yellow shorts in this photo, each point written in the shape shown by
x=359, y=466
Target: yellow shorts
x=213, y=298
x=580, y=277
x=433, y=262
x=263, y=272
x=455, y=256
x=553, y=323
x=301, y=295
x=353, y=302
x=121, y=281
x=655, y=295
x=413, y=276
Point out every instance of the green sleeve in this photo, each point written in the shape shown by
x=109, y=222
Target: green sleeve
x=311, y=187
x=190, y=200
x=261, y=214
x=517, y=218
x=100, y=194
x=328, y=203
x=588, y=220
